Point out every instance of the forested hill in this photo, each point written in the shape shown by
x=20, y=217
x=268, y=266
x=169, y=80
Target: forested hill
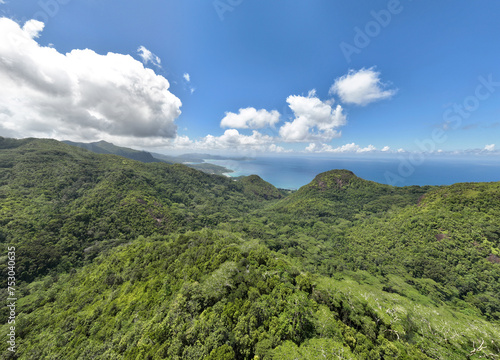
x=61, y=203
x=194, y=161
x=118, y=259
x=103, y=147
x=341, y=194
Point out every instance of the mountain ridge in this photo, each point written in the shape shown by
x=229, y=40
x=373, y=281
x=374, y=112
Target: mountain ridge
x=104, y=147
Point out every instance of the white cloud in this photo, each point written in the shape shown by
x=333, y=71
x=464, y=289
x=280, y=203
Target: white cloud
x=347, y=148
x=489, y=147
x=250, y=118
x=81, y=95
x=278, y=149
x=148, y=57
x=33, y=28
x=233, y=139
x=385, y=148
x=361, y=87
x=187, y=77
x=182, y=142
x=313, y=147
x=315, y=120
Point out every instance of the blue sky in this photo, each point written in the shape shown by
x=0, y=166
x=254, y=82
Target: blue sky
x=264, y=76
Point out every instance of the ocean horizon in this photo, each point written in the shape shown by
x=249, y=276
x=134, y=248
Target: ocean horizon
x=295, y=172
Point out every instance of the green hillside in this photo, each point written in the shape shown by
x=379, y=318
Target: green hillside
x=443, y=241
x=118, y=259
x=311, y=223
x=255, y=187
x=61, y=204
x=103, y=147
x=341, y=194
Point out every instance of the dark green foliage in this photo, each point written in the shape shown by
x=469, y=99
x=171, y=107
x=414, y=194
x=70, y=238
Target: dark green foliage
x=59, y=202
x=204, y=294
x=341, y=194
x=255, y=187
x=449, y=238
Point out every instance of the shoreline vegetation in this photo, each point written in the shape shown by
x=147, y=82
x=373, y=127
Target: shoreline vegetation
x=121, y=259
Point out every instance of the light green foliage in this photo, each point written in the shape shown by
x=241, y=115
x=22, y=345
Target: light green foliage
x=314, y=349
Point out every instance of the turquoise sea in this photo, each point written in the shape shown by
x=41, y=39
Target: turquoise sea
x=294, y=172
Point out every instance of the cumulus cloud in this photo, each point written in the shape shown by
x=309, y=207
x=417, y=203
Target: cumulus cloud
x=347, y=148
x=278, y=149
x=232, y=140
x=148, y=57
x=182, y=142
x=250, y=118
x=187, y=77
x=33, y=28
x=361, y=87
x=80, y=95
x=315, y=120
x=489, y=147
x=313, y=147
